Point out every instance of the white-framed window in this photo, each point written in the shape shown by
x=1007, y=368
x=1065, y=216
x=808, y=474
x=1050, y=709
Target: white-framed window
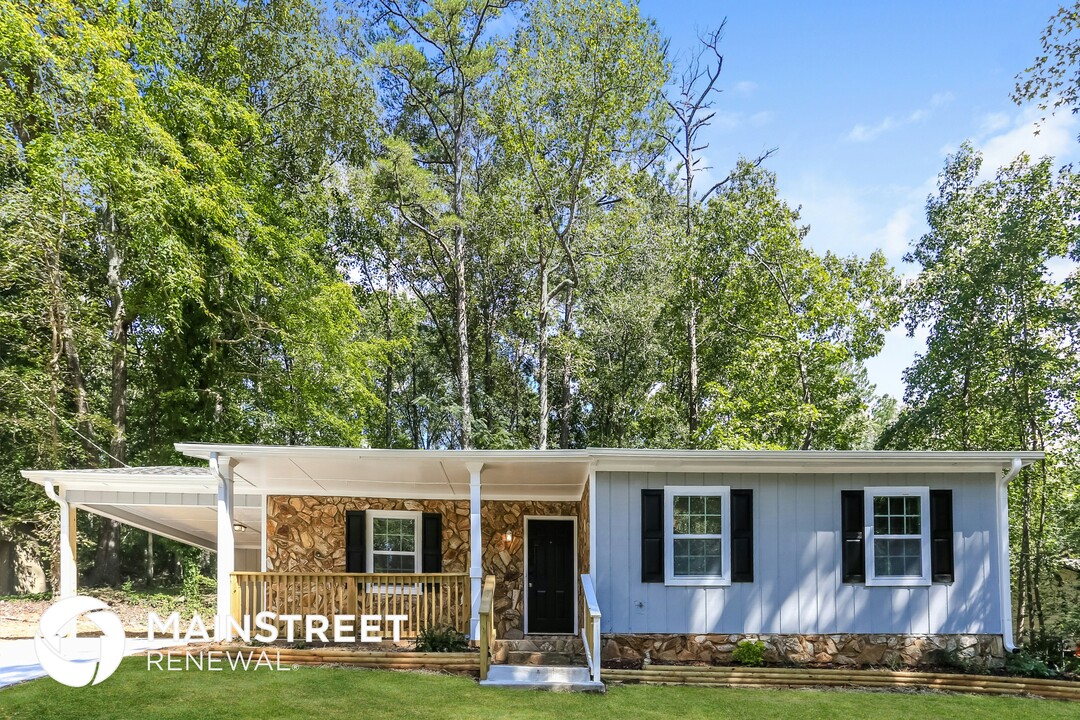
x=393, y=541
x=897, y=535
x=697, y=535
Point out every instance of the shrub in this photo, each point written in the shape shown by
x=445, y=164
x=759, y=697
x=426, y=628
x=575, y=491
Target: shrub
x=436, y=639
x=750, y=653
x=1049, y=647
x=1026, y=665
x=952, y=659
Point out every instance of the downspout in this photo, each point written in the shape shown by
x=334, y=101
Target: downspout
x=1004, y=561
x=68, y=567
x=50, y=490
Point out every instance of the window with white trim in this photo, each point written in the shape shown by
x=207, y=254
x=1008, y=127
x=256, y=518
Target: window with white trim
x=394, y=545
x=897, y=535
x=697, y=535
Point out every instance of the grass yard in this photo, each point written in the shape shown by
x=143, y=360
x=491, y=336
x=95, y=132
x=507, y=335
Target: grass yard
x=330, y=693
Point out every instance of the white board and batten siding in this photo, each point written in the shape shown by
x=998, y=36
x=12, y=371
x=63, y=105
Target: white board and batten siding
x=798, y=586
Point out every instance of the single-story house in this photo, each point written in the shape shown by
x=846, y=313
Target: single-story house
x=854, y=557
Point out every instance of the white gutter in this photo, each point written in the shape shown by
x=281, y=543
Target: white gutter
x=1004, y=562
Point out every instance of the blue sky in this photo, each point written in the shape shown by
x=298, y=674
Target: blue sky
x=864, y=102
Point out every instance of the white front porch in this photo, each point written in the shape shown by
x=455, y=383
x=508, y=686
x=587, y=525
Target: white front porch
x=222, y=506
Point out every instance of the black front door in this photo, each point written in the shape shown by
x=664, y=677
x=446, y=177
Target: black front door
x=550, y=576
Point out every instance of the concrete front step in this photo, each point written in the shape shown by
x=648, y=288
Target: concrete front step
x=542, y=677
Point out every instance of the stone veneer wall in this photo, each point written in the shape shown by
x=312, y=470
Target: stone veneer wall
x=583, y=552
x=507, y=562
x=307, y=534
x=583, y=531
x=851, y=649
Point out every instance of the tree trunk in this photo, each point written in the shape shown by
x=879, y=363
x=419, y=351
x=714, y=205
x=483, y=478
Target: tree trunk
x=53, y=279
x=149, y=559
x=542, y=358
x=567, y=376
x=1024, y=561
x=388, y=378
x=461, y=305
x=692, y=331
x=78, y=388
x=107, y=558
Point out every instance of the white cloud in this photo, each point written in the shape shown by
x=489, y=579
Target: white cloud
x=744, y=87
x=726, y=120
x=866, y=133
x=762, y=118
x=993, y=122
x=940, y=99
x=893, y=238
x=1055, y=137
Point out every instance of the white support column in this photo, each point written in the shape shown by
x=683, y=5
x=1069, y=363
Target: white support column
x=69, y=570
x=262, y=536
x=476, y=572
x=221, y=468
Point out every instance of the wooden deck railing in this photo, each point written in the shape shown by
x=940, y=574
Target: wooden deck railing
x=487, y=625
x=426, y=599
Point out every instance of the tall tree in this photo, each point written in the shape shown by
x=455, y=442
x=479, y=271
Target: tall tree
x=435, y=58
x=691, y=104
x=788, y=329
x=999, y=371
x=580, y=94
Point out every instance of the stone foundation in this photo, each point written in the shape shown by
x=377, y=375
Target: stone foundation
x=892, y=651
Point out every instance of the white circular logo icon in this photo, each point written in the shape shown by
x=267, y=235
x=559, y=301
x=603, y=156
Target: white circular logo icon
x=78, y=662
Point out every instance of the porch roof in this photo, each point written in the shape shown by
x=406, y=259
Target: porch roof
x=180, y=502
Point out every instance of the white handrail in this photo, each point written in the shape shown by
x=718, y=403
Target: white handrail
x=590, y=632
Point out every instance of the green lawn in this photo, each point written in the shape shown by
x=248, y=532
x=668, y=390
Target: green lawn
x=328, y=693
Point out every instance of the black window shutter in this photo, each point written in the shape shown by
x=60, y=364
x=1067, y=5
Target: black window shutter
x=431, y=539
x=742, y=536
x=852, y=519
x=941, y=536
x=652, y=536
x=355, y=549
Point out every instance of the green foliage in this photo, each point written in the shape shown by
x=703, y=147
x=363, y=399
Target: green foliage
x=195, y=588
x=954, y=659
x=1000, y=367
x=440, y=639
x=1025, y=664
x=750, y=653
x=387, y=224
x=1052, y=81
x=786, y=330
x=33, y=597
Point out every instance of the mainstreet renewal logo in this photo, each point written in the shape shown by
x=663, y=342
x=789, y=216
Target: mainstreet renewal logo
x=83, y=661
x=65, y=659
